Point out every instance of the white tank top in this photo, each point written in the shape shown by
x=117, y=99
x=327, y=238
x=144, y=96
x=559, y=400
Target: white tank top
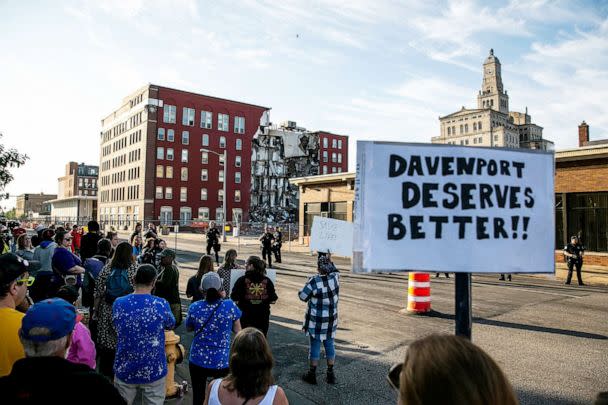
x=214, y=398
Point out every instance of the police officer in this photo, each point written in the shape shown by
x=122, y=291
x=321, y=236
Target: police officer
x=213, y=241
x=267, y=238
x=574, y=255
x=278, y=243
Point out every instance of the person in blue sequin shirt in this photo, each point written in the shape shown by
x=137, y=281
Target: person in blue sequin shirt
x=212, y=321
x=140, y=320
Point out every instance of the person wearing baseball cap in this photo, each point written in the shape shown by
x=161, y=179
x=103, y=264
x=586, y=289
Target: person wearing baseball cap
x=212, y=320
x=167, y=283
x=14, y=280
x=46, y=333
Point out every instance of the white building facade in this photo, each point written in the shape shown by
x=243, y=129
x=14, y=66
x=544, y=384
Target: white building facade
x=491, y=124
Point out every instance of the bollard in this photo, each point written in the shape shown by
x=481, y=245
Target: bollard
x=419, y=293
x=175, y=354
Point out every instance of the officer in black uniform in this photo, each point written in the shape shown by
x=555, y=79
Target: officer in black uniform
x=213, y=241
x=278, y=243
x=574, y=256
x=267, y=240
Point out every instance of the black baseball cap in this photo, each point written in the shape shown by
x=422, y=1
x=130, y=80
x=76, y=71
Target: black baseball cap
x=11, y=267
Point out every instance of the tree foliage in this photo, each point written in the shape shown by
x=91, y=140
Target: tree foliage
x=9, y=159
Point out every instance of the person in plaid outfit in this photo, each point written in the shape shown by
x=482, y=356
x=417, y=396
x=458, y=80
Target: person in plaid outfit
x=321, y=320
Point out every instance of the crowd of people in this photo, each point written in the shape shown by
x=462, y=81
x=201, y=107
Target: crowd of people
x=95, y=312
x=95, y=306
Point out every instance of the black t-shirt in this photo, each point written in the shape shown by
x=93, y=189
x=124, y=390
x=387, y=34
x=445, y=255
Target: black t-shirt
x=53, y=380
x=267, y=239
x=575, y=250
x=213, y=236
x=193, y=290
x=88, y=245
x=254, y=293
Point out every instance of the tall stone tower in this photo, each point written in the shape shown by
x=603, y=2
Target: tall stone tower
x=492, y=94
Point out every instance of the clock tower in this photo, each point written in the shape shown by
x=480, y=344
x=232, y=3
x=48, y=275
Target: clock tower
x=492, y=94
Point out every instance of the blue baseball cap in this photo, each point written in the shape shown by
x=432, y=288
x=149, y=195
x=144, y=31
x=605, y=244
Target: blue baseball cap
x=54, y=314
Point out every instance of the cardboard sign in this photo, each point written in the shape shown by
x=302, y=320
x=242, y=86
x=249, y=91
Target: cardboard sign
x=331, y=235
x=449, y=208
x=238, y=273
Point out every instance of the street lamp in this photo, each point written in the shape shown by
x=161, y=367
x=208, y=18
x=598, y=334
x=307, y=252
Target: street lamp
x=225, y=215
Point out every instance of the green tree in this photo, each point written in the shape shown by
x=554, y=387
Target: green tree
x=11, y=214
x=9, y=159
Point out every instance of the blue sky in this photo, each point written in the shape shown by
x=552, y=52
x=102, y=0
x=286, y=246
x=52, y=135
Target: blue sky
x=379, y=70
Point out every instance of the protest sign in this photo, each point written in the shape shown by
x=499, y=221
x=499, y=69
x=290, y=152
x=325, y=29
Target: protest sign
x=331, y=235
x=235, y=274
x=448, y=208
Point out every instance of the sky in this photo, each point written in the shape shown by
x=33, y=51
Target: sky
x=381, y=70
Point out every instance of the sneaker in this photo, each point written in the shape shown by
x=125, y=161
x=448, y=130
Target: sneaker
x=310, y=377
x=331, y=377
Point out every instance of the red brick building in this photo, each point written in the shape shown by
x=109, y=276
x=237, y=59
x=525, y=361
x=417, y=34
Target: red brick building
x=581, y=197
x=333, y=152
x=151, y=164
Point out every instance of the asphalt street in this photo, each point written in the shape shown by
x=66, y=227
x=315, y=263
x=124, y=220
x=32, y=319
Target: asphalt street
x=550, y=339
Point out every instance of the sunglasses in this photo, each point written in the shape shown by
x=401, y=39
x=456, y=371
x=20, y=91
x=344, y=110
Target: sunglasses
x=25, y=280
x=394, y=376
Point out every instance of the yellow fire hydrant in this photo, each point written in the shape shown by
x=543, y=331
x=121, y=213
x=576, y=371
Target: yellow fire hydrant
x=175, y=354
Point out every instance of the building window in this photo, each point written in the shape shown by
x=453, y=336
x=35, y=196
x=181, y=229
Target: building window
x=219, y=214
x=159, y=192
x=160, y=171
x=169, y=153
x=168, y=193
x=466, y=128
x=222, y=122
x=185, y=138
x=203, y=194
x=222, y=142
x=206, y=119
x=237, y=195
x=204, y=175
x=169, y=113
x=325, y=154
x=334, y=157
x=324, y=169
x=466, y=141
x=220, y=195
x=239, y=125
x=170, y=135
x=334, y=143
x=239, y=144
x=449, y=132
x=160, y=152
x=237, y=177
x=184, y=174
x=333, y=169
x=204, y=158
x=474, y=140
x=325, y=143
x=474, y=126
x=161, y=134
x=169, y=172
x=183, y=194
x=339, y=143
x=453, y=130
x=203, y=213
x=205, y=140
x=185, y=216
x=479, y=125
x=339, y=158
x=339, y=170
x=188, y=117
x=237, y=161
x=184, y=155
x=220, y=176
x=461, y=128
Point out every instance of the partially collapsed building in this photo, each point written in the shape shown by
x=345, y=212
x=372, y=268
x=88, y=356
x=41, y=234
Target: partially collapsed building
x=280, y=153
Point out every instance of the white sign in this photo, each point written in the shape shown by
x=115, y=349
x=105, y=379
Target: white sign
x=235, y=274
x=331, y=235
x=453, y=209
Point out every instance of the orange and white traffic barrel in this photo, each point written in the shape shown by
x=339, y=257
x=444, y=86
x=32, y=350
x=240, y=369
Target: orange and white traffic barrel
x=419, y=293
